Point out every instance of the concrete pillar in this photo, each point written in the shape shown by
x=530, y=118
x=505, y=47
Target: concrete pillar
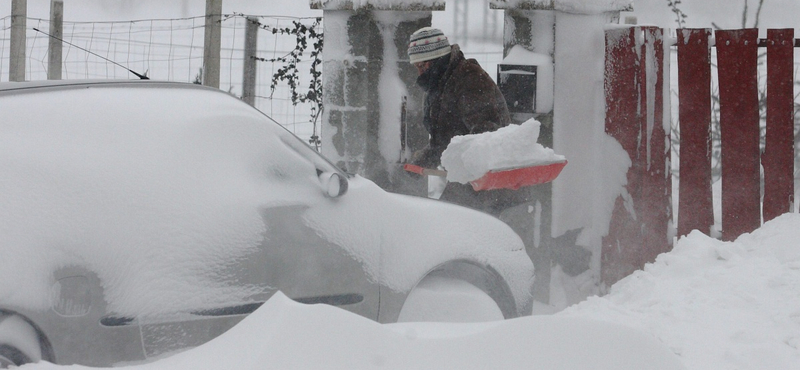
x=366, y=75
x=249, y=70
x=55, y=46
x=571, y=207
x=534, y=31
x=212, y=43
x=19, y=17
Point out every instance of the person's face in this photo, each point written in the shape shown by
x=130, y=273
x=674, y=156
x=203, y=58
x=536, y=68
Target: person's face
x=422, y=66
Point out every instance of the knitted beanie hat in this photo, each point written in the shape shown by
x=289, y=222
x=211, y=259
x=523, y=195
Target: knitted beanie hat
x=427, y=43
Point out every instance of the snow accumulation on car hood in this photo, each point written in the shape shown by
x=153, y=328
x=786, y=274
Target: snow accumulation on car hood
x=417, y=234
x=146, y=186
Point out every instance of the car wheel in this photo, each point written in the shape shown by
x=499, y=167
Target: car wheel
x=446, y=299
x=19, y=343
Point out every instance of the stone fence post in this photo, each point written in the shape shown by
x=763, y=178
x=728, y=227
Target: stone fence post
x=367, y=78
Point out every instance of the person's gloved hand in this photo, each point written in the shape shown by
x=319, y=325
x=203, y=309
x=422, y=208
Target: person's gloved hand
x=424, y=158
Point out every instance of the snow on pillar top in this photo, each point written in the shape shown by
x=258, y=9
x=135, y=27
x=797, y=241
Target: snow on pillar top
x=406, y=5
x=568, y=6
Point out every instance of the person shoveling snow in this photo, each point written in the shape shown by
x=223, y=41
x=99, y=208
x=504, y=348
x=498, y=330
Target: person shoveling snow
x=490, y=161
x=462, y=100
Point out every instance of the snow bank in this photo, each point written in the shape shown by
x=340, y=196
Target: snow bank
x=718, y=305
x=469, y=157
x=283, y=334
x=709, y=304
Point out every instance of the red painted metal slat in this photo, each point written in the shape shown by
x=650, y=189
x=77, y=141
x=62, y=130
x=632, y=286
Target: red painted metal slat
x=621, y=86
x=695, y=205
x=778, y=158
x=737, y=53
x=638, y=231
x=622, y=82
x=654, y=206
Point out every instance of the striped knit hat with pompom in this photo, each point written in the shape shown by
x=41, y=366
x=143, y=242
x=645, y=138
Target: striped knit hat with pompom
x=427, y=43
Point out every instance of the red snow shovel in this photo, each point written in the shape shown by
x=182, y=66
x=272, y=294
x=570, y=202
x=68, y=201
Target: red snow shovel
x=511, y=178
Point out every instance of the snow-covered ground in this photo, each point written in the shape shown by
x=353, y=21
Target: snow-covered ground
x=717, y=305
x=707, y=305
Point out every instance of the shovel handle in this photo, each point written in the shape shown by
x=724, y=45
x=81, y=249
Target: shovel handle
x=424, y=171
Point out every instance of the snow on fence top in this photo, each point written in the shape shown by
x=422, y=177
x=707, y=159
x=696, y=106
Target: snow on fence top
x=570, y=6
x=409, y=5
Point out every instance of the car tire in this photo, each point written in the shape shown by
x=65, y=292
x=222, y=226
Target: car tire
x=19, y=342
x=446, y=299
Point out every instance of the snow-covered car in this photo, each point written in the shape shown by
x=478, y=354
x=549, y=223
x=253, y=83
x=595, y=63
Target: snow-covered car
x=139, y=218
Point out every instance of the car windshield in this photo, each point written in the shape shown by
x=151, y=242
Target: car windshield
x=294, y=142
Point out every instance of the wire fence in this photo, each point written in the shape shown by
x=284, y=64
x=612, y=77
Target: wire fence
x=172, y=49
x=167, y=49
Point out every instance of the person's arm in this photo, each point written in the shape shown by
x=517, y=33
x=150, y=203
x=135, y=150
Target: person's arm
x=480, y=108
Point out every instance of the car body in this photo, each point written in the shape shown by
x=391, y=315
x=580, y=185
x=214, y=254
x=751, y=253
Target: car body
x=144, y=217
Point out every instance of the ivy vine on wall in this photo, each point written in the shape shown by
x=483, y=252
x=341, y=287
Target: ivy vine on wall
x=289, y=72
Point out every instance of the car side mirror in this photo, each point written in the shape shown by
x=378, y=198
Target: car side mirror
x=333, y=183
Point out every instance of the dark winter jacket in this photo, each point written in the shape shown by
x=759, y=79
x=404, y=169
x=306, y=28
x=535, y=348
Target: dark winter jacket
x=461, y=99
